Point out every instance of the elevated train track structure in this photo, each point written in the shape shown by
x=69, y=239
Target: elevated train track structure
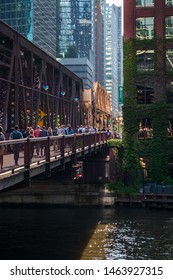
x=34, y=86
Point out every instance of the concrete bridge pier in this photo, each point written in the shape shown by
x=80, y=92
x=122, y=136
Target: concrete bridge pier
x=97, y=168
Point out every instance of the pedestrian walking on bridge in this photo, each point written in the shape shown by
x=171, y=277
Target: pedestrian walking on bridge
x=16, y=134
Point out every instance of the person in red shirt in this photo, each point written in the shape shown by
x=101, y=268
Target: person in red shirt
x=37, y=134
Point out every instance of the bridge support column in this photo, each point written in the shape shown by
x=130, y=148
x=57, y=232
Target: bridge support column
x=96, y=170
x=112, y=156
x=27, y=179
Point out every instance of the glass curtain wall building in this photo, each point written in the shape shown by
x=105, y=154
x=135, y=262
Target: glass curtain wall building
x=113, y=54
x=99, y=40
x=18, y=14
x=34, y=19
x=119, y=46
x=75, y=29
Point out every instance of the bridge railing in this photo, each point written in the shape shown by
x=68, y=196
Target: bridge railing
x=27, y=152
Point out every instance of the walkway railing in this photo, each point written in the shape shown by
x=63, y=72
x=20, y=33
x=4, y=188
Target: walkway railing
x=34, y=151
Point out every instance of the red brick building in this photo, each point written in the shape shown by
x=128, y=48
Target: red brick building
x=148, y=84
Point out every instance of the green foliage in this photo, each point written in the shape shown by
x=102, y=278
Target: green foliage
x=120, y=188
x=115, y=143
x=158, y=149
x=167, y=181
x=129, y=70
x=131, y=157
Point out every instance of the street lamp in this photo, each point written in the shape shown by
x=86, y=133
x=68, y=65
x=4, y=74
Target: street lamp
x=119, y=122
x=62, y=111
x=75, y=99
x=45, y=87
x=62, y=93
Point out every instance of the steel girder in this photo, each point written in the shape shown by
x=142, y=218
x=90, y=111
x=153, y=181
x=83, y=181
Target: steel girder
x=34, y=87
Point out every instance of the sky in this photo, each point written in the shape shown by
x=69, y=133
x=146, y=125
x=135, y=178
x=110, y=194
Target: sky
x=116, y=2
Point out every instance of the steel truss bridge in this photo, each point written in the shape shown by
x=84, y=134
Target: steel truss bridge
x=54, y=153
x=34, y=84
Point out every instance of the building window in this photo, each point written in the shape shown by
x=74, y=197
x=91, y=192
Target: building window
x=145, y=28
x=145, y=60
x=169, y=60
x=144, y=3
x=145, y=128
x=169, y=27
x=170, y=128
x=169, y=3
x=169, y=92
x=145, y=95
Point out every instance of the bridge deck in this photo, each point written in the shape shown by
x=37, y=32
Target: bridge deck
x=56, y=151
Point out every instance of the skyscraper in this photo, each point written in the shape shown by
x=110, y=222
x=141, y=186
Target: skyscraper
x=99, y=40
x=34, y=19
x=113, y=54
x=75, y=29
x=75, y=38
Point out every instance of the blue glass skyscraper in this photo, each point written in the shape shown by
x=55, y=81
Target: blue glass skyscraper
x=75, y=29
x=34, y=19
x=113, y=54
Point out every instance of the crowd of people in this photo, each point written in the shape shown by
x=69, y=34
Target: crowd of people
x=39, y=147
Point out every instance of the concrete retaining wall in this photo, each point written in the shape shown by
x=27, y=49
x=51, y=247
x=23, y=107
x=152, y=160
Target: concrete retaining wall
x=60, y=194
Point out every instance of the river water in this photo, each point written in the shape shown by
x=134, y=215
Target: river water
x=88, y=233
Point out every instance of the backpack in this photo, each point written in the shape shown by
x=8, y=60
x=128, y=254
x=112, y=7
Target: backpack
x=66, y=131
x=70, y=131
x=16, y=135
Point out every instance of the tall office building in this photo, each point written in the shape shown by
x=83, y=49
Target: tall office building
x=75, y=29
x=75, y=43
x=34, y=19
x=99, y=41
x=113, y=54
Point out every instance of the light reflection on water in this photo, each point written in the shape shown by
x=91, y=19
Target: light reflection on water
x=137, y=234
x=85, y=233
x=96, y=247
